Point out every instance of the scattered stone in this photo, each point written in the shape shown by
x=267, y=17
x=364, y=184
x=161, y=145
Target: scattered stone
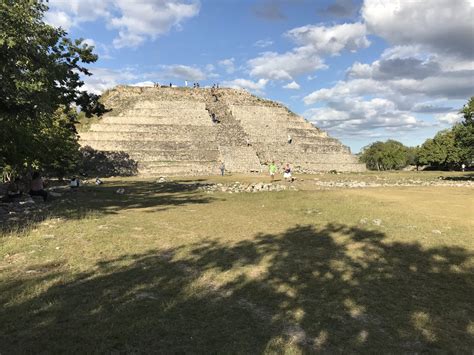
x=120, y=191
x=363, y=221
x=436, y=231
x=161, y=180
x=377, y=222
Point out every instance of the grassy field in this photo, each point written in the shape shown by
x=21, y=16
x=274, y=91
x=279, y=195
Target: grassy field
x=169, y=268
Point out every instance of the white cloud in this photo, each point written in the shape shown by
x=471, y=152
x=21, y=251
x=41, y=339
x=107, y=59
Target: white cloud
x=256, y=87
x=103, y=79
x=286, y=66
x=263, y=43
x=144, y=84
x=149, y=19
x=443, y=26
x=293, y=86
x=331, y=40
x=183, y=72
x=228, y=65
x=358, y=115
x=135, y=22
x=58, y=19
x=313, y=41
x=71, y=13
x=449, y=118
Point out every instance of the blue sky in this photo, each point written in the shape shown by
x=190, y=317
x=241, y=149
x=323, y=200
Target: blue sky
x=361, y=70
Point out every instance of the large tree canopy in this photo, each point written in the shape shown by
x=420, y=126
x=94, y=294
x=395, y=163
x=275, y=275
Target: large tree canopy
x=40, y=72
x=464, y=132
x=389, y=155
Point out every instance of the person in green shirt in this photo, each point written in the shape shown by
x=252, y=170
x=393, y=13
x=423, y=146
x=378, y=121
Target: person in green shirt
x=272, y=170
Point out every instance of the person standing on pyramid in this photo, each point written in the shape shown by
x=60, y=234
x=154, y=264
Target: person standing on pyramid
x=222, y=167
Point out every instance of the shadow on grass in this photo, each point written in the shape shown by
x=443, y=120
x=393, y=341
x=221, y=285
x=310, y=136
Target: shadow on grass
x=464, y=177
x=334, y=289
x=92, y=200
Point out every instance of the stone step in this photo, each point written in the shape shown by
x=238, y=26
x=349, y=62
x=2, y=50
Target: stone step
x=163, y=112
x=203, y=119
x=178, y=168
x=171, y=135
x=320, y=167
x=117, y=145
x=308, y=158
x=176, y=155
x=170, y=105
x=240, y=159
x=149, y=128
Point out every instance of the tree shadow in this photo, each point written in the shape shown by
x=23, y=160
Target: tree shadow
x=334, y=289
x=465, y=177
x=106, y=163
x=93, y=200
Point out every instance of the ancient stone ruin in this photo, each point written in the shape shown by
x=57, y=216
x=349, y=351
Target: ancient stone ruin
x=186, y=131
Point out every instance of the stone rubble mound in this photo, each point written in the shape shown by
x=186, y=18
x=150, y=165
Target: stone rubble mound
x=238, y=187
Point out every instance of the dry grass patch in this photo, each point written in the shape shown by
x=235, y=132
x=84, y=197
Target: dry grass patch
x=167, y=268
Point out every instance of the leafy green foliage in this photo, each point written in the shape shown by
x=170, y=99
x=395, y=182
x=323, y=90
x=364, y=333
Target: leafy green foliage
x=389, y=155
x=464, y=133
x=441, y=151
x=40, y=72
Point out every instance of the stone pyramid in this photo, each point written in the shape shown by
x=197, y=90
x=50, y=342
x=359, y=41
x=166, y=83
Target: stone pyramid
x=170, y=131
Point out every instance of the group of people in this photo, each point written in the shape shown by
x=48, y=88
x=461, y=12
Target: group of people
x=14, y=190
x=37, y=187
x=286, y=172
x=272, y=170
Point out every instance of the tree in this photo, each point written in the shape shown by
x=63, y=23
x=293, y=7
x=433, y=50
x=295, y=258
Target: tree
x=464, y=133
x=441, y=151
x=40, y=72
x=389, y=155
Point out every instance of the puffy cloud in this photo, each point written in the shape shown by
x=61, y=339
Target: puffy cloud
x=183, y=72
x=144, y=84
x=426, y=107
x=331, y=40
x=449, y=118
x=355, y=116
x=135, y=22
x=103, y=79
x=396, y=68
x=343, y=89
x=149, y=19
x=342, y=9
x=293, y=85
x=70, y=13
x=313, y=41
x=271, y=65
x=443, y=26
x=250, y=85
x=228, y=65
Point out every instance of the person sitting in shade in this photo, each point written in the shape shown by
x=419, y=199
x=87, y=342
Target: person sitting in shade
x=13, y=190
x=75, y=182
x=37, y=186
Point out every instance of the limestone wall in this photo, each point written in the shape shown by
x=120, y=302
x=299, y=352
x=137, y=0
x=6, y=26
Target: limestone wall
x=170, y=131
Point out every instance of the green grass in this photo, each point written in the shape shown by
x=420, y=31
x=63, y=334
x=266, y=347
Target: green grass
x=168, y=268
